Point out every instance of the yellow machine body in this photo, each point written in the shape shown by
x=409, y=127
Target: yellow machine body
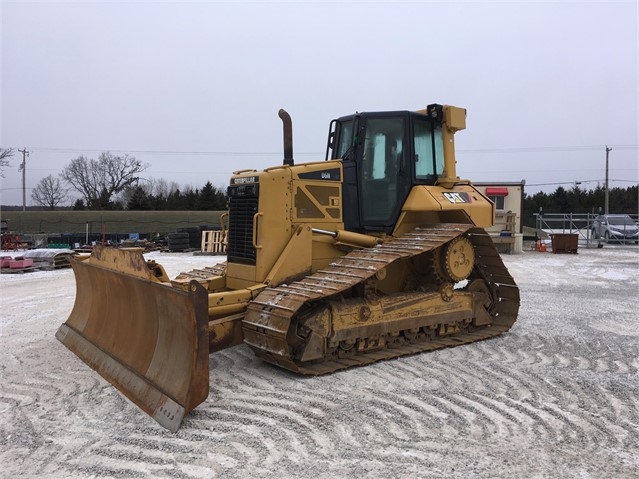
x=310, y=284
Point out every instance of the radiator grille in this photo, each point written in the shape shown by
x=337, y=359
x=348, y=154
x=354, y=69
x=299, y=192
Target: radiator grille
x=240, y=241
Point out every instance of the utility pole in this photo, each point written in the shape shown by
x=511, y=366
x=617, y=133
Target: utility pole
x=608, y=150
x=23, y=168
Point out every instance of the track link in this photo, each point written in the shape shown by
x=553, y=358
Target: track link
x=268, y=317
x=203, y=275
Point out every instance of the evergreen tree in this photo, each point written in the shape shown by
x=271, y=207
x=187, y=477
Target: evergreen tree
x=560, y=199
x=175, y=201
x=206, y=200
x=191, y=199
x=621, y=200
x=139, y=200
x=221, y=199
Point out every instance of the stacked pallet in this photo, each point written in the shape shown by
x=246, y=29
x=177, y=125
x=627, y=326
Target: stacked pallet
x=213, y=242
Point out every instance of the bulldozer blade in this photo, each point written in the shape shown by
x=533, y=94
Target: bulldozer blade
x=148, y=339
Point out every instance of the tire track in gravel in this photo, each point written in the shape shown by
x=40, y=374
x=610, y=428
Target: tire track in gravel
x=379, y=413
x=548, y=422
x=302, y=425
x=497, y=401
x=581, y=424
x=476, y=391
x=264, y=413
x=614, y=417
x=626, y=413
x=557, y=422
x=475, y=414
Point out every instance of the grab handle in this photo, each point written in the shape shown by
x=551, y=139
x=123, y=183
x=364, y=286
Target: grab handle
x=255, y=218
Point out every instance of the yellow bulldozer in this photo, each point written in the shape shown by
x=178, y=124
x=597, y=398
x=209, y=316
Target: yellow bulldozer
x=378, y=251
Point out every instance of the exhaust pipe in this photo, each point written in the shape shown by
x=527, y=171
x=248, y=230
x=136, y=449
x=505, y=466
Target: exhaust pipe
x=288, y=137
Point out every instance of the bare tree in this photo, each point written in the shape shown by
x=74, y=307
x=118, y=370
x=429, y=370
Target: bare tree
x=126, y=194
x=158, y=189
x=98, y=180
x=49, y=193
x=162, y=188
x=149, y=186
x=5, y=154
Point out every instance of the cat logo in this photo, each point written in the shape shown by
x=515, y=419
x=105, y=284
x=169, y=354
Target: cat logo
x=457, y=197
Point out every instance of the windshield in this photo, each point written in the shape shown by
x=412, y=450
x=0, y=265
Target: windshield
x=620, y=221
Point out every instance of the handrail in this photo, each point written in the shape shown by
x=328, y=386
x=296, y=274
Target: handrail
x=255, y=218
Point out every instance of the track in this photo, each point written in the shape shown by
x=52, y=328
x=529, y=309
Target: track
x=274, y=309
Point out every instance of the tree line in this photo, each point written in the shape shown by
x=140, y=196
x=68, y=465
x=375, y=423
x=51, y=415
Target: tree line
x=114, y=182
x=159, y=195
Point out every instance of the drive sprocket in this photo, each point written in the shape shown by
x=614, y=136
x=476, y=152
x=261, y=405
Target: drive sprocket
x=459, y=258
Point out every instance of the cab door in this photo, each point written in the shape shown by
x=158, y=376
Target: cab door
x=384, y=179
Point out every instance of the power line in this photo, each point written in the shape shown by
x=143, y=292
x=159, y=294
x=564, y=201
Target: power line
x=579, y=181
x=541, y=149
x=562, y=183
x=167, y=152
x=532, y=149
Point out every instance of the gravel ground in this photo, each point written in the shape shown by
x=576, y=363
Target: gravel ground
x=557, y=396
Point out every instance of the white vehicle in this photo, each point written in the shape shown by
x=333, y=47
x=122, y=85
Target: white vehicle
x=615, y=228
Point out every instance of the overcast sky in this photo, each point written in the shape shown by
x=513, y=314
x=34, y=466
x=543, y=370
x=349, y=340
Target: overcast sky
x=193, y=89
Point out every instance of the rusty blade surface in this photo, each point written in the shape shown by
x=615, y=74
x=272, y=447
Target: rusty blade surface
x=148, y=339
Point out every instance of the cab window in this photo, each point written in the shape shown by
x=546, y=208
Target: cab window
x=345, y=138
x=429, y=149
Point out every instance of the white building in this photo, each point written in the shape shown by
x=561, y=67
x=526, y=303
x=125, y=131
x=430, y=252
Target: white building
x=509, y=209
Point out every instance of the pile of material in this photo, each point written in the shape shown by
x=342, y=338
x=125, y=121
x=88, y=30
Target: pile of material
x=49, y=258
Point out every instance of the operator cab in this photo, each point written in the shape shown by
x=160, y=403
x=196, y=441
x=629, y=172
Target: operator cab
x=383, y=155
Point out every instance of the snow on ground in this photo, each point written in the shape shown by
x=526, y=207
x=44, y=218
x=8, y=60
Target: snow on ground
x=554, y=397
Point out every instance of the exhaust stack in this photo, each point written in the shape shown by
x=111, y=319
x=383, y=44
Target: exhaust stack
x=288, y=137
